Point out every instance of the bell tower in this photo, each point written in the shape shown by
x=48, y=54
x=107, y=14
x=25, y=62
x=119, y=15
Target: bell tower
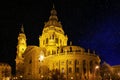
x=21, y=43
x=21, y=47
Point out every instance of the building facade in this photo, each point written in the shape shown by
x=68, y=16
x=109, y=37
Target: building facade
x=5, y=71
x=73, y=62
x=116, y=71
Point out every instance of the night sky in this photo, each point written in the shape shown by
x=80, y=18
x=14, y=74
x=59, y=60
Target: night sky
x=91, y=24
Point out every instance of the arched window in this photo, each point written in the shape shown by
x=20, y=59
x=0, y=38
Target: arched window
x=70, y=49
x=84, y=66
x=53, y=36
x=53, y=52
x=60, y=41
x=43, y=42
x=46, y=40
x=91, y=66
x=70, y=70
x=61, y=50
x=77, y=70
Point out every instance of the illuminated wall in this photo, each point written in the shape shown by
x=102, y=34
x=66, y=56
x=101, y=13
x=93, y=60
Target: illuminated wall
x=5, y=71
x=32, y=64
x=116, y=70
x=72, y=61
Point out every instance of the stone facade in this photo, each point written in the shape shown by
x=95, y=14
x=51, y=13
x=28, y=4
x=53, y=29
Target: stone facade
x=73, y=62
x=5, y=71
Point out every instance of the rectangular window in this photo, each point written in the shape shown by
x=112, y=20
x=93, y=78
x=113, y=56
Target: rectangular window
x=46, y=40
x=30, y=61
x=70, y=70
x=56, y=40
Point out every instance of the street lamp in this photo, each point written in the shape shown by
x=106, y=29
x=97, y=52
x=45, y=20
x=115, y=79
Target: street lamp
x=41, y=58
x=96, y=68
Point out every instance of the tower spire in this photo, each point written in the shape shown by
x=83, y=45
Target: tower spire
x=53, y=14
x=22, y=29
x=53, y=6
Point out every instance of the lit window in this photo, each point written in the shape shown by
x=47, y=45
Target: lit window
x=43, y=42
x=60, y=41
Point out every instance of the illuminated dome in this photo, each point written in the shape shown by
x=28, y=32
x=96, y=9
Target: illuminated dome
x=53, y=19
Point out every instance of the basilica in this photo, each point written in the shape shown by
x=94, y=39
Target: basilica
x=54, y=56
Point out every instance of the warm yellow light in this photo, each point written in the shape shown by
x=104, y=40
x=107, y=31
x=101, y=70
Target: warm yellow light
x=97, y=67
x=41, y=57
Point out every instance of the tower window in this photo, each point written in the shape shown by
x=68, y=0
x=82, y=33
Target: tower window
x=43, y=42
x=60, y=41
x=52, y=36
x=56, y=40
x=23, y=49
x=46, y=40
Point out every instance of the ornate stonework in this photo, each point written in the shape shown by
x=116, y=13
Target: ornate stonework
x=73, y=62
